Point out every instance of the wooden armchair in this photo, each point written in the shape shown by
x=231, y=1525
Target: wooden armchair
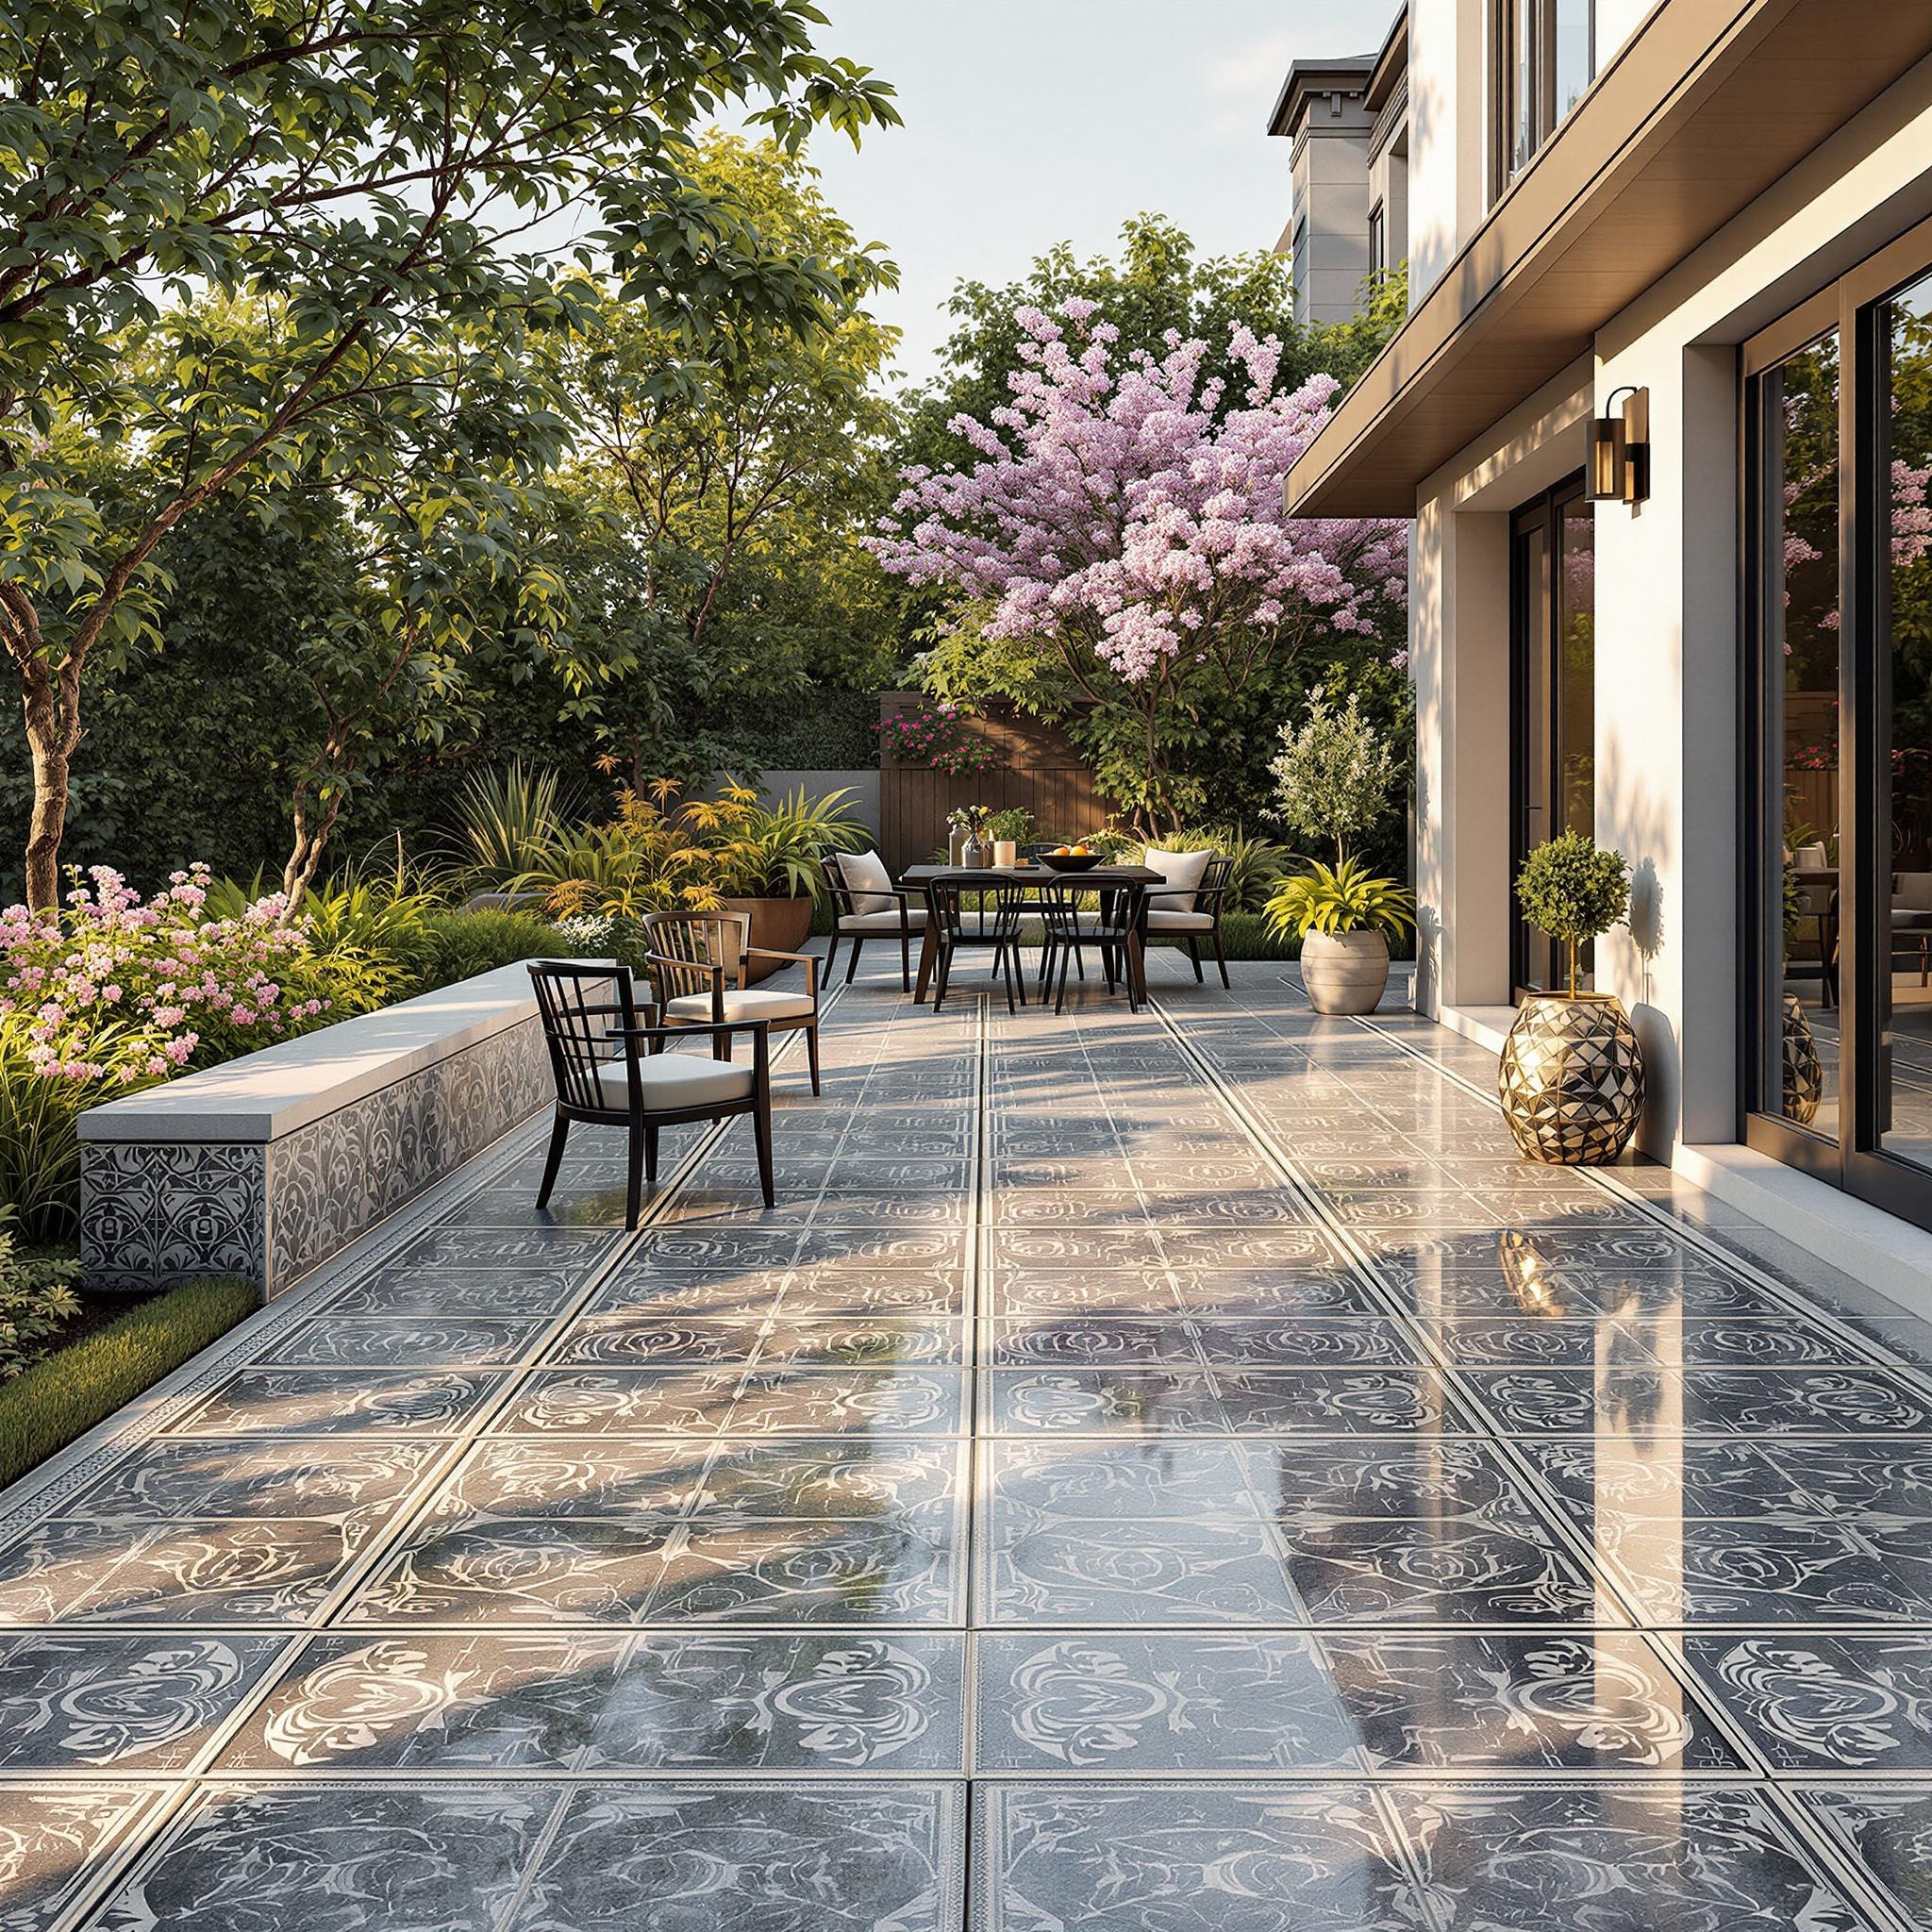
x=867, y=905
x=697, y=964
x=611, y=1070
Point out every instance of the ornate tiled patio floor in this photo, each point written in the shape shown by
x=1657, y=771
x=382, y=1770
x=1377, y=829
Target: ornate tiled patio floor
x=1171, y=1473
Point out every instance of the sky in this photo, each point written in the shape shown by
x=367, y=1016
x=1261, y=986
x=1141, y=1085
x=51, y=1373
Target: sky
x=1031, y=121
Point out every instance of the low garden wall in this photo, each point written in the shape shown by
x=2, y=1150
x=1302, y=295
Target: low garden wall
x=267, y=1165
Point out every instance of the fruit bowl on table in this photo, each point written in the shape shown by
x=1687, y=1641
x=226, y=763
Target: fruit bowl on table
x=1068, y=861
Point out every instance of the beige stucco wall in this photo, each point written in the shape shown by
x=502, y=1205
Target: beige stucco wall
x=1667, y=622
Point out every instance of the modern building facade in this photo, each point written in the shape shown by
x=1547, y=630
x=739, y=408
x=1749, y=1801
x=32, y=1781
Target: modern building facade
x=1696, y=236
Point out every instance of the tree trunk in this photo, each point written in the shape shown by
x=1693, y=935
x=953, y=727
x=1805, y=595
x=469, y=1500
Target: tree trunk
x=52, y=732
x=312, y=836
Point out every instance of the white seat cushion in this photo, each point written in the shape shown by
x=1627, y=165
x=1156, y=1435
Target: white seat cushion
x=673, y=1080
x=1159, y=920
x=868, y=881
x=1183, y=872
x=881, y=922
x=753, y=1005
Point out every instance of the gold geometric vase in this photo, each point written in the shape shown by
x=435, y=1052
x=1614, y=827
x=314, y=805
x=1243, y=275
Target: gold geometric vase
x=1571, y=1079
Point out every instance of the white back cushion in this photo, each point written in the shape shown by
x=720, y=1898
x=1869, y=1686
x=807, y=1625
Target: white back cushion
x=1183, y=872
x=1912, y=893
x=868, y=881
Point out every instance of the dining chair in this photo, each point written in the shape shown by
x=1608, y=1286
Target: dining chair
x=867, y=905
x=611, y=1069
x=1110, y=928
x=691, y=956
x=991, y=919
x=1188, y=907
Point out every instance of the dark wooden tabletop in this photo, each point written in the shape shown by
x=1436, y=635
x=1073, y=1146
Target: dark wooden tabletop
x=1035, y=875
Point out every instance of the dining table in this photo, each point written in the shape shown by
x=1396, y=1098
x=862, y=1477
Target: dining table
x=1094, y=879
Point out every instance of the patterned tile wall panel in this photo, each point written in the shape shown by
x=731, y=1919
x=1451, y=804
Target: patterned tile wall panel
x=154, y=1213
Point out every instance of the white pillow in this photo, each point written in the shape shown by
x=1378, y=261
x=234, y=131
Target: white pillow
x=1183, y=872
x=868, y=881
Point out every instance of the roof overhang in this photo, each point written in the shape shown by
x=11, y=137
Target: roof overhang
x=1307, y=79
x=1706, y=107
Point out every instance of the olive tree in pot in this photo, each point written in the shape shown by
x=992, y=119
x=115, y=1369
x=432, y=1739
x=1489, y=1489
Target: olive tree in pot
x=1572, y=1076
x=1336, y=776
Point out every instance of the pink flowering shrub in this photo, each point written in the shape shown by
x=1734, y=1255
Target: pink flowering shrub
x=112, y=993
x=936, y=736
x=1123, y=518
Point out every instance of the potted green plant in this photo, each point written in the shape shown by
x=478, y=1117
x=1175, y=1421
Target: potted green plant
x=768, y=859
x=1336, y=778
x=1344, y=917
x=1572, y=1076
x=1005, y=829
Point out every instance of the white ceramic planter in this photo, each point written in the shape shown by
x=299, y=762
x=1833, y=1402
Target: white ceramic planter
x=1344, y=973
x=1006, y=852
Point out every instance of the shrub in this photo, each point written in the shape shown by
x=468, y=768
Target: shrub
x=936, y=736
x=504, y=818
x=37, y=1300
x=1348, y=899
x=1574, y=890
x=458, y=945
x=1336, y=775
x=55, y=1401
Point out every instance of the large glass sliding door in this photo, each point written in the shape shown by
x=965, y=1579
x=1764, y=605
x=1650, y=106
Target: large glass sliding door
x=1838, y=455
x=1553, y=625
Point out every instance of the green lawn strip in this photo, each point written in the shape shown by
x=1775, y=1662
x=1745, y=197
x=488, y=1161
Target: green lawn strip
x=49, y=1406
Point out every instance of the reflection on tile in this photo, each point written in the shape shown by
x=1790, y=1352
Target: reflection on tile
x=751, y=1858
x=612, y=1703
x=271, y=1401
x=1728, y=1401
x=100, y=1701
x=249, y=1478
x=696, y=1402
x=1693, y=1859
x=391, y=1340
x=1228, y=1400
x=1468, y=1701
x=1888, y=1831
x=1156, y=1858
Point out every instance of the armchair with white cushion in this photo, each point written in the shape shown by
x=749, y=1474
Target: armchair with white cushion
x=611, y=1069
x=867, y=905
x=698, y=963
x=1187, y=906
x=1911, y=916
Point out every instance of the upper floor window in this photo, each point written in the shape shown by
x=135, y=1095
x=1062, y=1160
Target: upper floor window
x=1378, y=240
x=1548, y=50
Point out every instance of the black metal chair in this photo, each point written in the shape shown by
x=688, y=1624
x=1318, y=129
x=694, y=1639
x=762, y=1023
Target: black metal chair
x=868, y=907
x=591, y=1024
x=964, y=912
x=1193, y=916
x=1110, y=928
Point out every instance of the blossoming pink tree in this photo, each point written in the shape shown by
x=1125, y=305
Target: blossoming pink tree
x=1123, y=520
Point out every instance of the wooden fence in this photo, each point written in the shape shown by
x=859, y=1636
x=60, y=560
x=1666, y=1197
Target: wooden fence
x=1039, y=769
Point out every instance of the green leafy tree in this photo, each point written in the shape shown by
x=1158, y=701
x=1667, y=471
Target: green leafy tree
x=1336, y=775
x=1572, y=888
x=375, y=169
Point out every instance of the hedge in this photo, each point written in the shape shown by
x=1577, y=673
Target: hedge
x=56, y=1401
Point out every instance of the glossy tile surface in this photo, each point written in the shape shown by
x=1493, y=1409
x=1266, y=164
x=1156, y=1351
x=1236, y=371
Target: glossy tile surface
x=1178, y=1472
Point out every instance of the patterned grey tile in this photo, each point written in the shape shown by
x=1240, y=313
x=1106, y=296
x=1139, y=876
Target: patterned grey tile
x=336, y=1341
x=1131, y=1706
x=1468, y=1701
x=52, y=1838
x=332, y=1858
x=113, y=1701
x=1694, y=1859
x=811, y=1402
x=326, y=1402
x=753, y=1859
x=449, y=1292
x=1821, y=1703
x=1887, y=1830
x=1728, y=1401
x=1157, y=1858
x=248, y=1476
x=803, y=1569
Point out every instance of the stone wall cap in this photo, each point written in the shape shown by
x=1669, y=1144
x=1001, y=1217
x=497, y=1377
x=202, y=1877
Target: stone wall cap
x=274, y=1092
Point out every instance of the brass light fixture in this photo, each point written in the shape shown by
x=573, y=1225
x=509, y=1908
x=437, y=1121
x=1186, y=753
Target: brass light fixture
x=1620, y=449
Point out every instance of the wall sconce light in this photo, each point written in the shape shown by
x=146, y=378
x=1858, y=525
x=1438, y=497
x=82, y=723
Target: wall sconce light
x=1620, y=449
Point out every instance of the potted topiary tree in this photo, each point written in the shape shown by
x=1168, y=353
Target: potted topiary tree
x=1572, y=1077
x=1336, y=776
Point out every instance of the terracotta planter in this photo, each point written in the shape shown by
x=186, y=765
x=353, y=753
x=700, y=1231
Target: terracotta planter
x=782, y=925
x=1571, y=1079
x=1344, y=973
